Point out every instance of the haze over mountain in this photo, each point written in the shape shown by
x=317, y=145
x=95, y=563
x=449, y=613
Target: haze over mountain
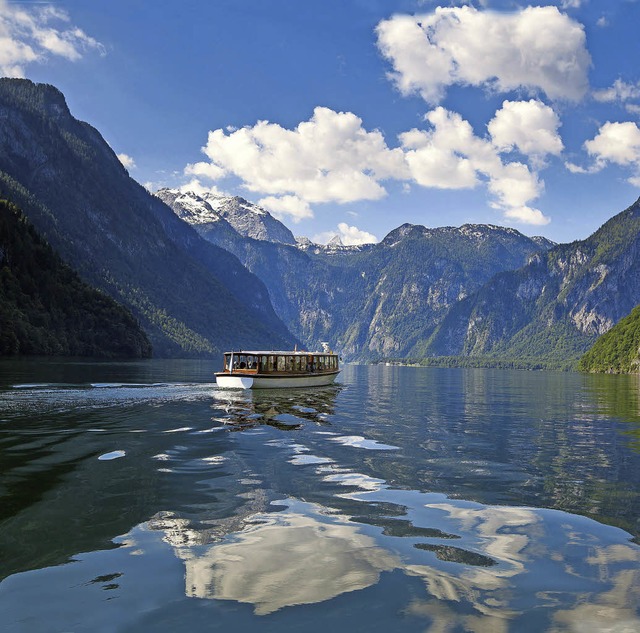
x=191, y=297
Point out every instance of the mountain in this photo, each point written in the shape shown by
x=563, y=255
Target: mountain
x=227, y=212
x=372, y=300
x=616, y=351
x=45, y=308
x=192, y=298
x=554, y=307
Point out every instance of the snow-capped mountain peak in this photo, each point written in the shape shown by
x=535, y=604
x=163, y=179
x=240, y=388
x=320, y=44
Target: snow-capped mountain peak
x=248, y=219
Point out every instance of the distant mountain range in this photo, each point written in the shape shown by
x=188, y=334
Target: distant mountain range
x=203, y=273
x=369, y=301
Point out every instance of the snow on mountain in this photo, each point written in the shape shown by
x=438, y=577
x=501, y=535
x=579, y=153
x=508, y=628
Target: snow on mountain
x=246, y=218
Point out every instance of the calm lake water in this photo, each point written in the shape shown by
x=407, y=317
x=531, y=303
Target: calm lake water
x=139, y=497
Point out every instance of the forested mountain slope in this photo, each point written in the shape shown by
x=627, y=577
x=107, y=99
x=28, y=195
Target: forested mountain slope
x=192, y=298
x=46, y=309
x=618, y=350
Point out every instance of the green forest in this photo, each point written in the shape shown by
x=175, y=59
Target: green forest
x=616, y=351
x=46, y=309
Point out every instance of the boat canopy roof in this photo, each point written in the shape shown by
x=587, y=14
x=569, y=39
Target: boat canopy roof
x=280, y=353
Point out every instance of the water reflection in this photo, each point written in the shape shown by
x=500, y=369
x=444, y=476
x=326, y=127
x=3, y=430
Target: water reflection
x=300, y=555
x=401, y=500
x=286, y=409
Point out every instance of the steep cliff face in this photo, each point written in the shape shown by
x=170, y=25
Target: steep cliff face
x=554, y=307
x=372, y=300
x=191, y=297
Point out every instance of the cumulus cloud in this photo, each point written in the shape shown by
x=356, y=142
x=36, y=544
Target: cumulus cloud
x=531, y=127
x=620, y=92
x=527, y=215
x=127, y=161
x=536, y=48
x=451, y=156
x=348, y=235
x=34, y=34
x=287, y=206
x=615, y=143
x=332, y=158
x=197, y=187
x=205, y=170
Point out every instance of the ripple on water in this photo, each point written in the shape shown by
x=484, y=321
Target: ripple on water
x=112, y=455
x=357, y=441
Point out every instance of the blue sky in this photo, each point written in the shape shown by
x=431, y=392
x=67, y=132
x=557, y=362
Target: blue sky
x=355, y=116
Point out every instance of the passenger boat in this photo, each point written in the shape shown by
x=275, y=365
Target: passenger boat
x=268, y=370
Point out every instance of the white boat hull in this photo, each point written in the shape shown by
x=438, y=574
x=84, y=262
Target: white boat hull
x=239, y=381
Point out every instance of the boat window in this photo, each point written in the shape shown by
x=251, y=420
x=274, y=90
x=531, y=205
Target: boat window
x=264, y=364
x=281, y=363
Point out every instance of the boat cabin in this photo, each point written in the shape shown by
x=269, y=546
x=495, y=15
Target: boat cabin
x=280, y=363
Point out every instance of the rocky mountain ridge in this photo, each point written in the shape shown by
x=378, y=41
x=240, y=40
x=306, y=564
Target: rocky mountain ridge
x=375, y=299
x=246, y=218
x=555, y=306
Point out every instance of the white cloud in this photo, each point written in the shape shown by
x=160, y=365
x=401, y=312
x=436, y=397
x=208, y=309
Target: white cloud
x=529, y=126
x=284, y=206
x=451, y=156
x=197, y=187
x=34, y=34
x=349, y=236
x=333, y=158
x=527, y=215
x=619, y=91
x=127, y=161
x=537, y=48
x=578, y=169
x=205, y=170
x=330, y=158
x=615, y=143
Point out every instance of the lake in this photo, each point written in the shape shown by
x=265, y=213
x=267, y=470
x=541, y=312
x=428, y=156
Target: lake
x=139, y=497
